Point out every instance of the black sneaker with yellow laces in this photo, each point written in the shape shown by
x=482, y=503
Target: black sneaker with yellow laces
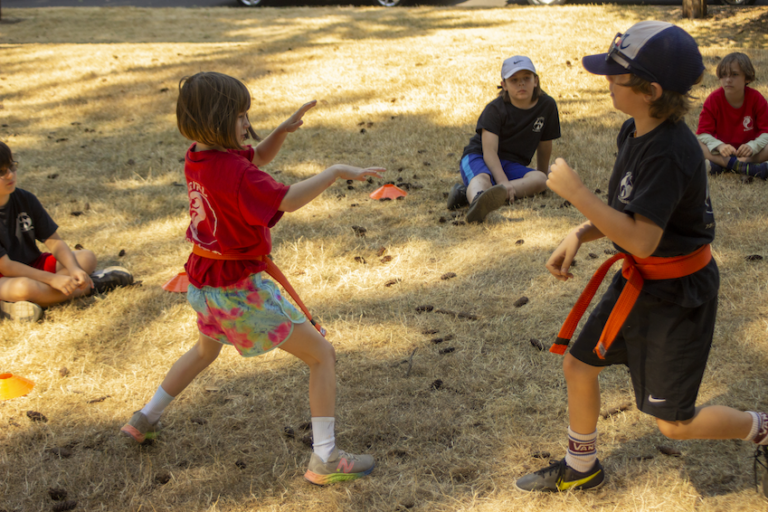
x=560, y=477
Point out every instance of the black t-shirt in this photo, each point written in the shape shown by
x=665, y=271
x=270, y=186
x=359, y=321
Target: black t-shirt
x=519, y=131
x=662, y=177
x=25, y=221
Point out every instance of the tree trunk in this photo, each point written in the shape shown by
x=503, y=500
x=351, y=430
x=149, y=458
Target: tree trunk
x=693, y=8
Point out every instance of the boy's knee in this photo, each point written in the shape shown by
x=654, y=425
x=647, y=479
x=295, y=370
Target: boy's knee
x=86, y=259
x=19, y=288
x=540, y=180
x=575, y=370
x=673, y=429
x=327, y=353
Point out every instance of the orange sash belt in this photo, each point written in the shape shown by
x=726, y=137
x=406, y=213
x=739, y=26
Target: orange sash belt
x=271, y=269
x=635, y=271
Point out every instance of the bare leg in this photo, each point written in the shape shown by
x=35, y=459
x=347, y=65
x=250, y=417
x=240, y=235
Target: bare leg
x=189, y=366
x=15, y=289
x=760, y=157
x=530, y=184
x=718, y=159
x=479, y=183
x=308, y=345
x=583, y=394
x=711, y=422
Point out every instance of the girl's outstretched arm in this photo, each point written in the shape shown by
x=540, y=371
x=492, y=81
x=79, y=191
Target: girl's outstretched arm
x=303, y=192
x=267, y=149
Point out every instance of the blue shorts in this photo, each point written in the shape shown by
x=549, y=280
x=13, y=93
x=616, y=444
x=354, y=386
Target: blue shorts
x=474, y=165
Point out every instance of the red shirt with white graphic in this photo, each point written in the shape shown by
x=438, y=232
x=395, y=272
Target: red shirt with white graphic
x=734, y=126
x=232, y=205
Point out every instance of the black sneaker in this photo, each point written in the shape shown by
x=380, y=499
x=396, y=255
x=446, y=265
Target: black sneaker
x=560, y=477
x=111, y=278
x=485, y=202
x=457, y=197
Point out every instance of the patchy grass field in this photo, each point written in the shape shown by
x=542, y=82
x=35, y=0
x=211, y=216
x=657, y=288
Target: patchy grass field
x=87, y=100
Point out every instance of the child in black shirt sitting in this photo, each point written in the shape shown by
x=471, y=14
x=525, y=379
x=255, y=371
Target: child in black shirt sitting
x=29, y=279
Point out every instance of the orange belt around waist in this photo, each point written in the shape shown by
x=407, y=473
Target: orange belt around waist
x=635, y=271
x=271, y=269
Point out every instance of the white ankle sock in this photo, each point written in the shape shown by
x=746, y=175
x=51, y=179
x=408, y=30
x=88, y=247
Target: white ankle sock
x=322, y=435
x=582, y=451
x=157, y=405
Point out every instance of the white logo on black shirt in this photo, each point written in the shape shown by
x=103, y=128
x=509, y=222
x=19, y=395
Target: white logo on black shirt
x=538, y=124
x=24, y=222
x=625, y=188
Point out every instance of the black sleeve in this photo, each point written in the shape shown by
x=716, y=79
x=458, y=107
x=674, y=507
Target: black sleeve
x=658, y=189
x=44, y=224
x=491, y=119
x=552, y=122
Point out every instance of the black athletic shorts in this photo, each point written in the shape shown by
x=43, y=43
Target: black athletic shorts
x=664, y=345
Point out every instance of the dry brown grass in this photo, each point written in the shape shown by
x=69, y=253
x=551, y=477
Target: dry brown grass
x=421, y=76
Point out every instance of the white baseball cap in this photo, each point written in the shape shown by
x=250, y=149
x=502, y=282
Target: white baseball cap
x=514, y=64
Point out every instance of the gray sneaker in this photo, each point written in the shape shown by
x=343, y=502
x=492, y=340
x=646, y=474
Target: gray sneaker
x=561, y=477
x=486, y=202
x=457, y=197
x=341, y=467
x=21, y=311
x=111, y=278
x=139, y=428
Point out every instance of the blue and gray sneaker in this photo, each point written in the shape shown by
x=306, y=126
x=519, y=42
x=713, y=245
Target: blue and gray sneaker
x=560, y=477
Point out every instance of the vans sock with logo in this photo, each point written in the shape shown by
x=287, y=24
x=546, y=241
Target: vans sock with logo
x=582, y=451
x=759, y=432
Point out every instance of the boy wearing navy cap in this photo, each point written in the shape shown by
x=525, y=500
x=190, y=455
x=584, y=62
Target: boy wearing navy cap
x=658, y=315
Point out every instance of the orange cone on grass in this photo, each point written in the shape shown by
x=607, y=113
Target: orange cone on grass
x=388, y=191
x=13, y=386
x=177, y=284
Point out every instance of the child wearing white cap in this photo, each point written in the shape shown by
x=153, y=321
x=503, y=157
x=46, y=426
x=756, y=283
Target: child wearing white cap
x=521, y=121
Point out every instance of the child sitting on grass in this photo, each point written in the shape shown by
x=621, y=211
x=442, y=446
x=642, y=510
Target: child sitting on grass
x=31, y=280
x=522, y=120
x=733, y=125
x=233, y=205
x=657, y=316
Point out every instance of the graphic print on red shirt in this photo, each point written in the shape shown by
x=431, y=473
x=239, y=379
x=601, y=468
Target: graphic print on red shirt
x=232, y=206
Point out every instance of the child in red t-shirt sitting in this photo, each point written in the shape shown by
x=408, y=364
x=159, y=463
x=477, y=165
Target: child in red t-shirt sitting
x=733, y=125
x=233, y=205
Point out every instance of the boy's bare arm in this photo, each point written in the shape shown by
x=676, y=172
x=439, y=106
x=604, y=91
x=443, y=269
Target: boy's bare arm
x=62, y=283
x=491, y=156
x=638, y=235
x=66, y=257
x=543, y=155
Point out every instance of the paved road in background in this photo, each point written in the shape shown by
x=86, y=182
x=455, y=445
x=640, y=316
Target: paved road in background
x=296, y=3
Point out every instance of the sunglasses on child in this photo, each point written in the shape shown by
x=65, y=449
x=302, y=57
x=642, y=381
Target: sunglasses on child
x=615, y=53
x=6, y=171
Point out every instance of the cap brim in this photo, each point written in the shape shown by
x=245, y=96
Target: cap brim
x=517, y=70
x=597, y=65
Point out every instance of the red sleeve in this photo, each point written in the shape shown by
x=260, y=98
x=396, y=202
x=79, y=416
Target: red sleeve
x=707, y=123
x=259, y=197
x=761, y=113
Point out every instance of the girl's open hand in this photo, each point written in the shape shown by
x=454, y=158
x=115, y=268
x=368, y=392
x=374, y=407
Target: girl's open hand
x=350, y=172
x=293, y=123
x=563, y=181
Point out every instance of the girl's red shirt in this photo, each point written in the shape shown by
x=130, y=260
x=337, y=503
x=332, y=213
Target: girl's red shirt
x=232, y=206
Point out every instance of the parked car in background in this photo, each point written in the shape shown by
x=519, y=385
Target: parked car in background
x=395, y=3
x=383, y=3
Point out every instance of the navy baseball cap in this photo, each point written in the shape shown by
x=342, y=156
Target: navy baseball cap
x=655, y=51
